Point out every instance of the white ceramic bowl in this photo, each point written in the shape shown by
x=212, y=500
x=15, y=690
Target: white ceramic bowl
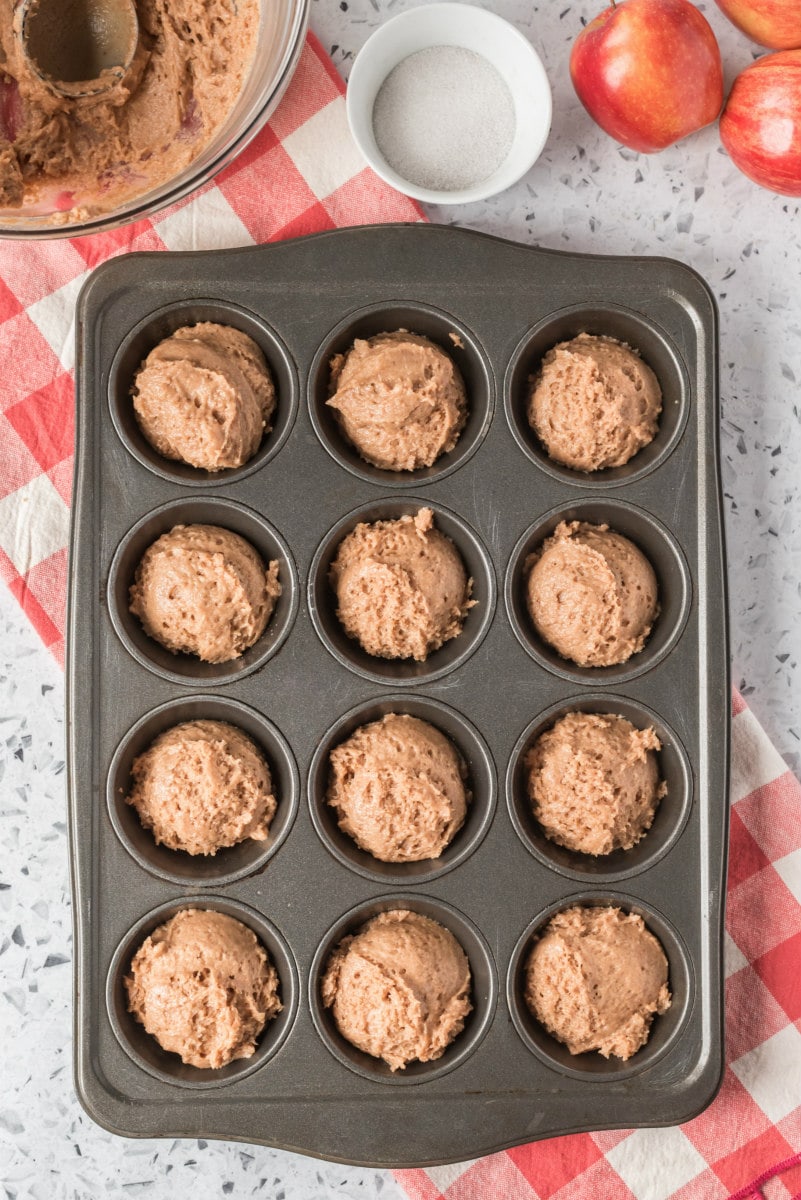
x=474, y=29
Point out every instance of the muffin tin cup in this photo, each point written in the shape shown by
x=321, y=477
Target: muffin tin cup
x=187, y=669
x=437, y=325
x=161, y=324
x=656, y=349
x=403, y=672
x=591, y=1066
x=671, y=814
x=659, y=547
x=484, y=991
x=230, y=863
x=480, y=780
x=145, y=1051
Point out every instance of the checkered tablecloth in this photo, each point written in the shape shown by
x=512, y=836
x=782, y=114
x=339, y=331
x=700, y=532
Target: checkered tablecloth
x=304, y=174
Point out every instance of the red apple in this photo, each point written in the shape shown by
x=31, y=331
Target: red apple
x=648, y=72
x=773, y=23
x=761, y=123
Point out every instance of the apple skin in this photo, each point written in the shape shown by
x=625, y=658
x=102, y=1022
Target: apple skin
x=648, y=72
x=772, y=23
x=761, y=123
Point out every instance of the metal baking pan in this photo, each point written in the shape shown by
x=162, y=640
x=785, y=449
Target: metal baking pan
x=304, y=686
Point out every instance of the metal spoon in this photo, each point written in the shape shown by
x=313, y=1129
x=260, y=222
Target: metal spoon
x=79, y=47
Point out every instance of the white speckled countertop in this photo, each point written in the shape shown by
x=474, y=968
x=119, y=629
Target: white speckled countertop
x=585, y=194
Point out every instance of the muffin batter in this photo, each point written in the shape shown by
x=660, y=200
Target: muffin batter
x=398, y=789
x=593, y=781
x=203, y=590
x=594, y=403
x=592, y=594
x=204, y=396
x=399, y=989
x=204, y=987
x=88, y=154
x=595, y=979
x=400, y=400
x=401, y=587
x=203, y=785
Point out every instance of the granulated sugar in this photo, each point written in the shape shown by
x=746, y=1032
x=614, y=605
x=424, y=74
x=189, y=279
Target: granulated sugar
x=444, y=118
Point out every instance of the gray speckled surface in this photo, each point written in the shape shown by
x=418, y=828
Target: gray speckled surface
x=585, y=194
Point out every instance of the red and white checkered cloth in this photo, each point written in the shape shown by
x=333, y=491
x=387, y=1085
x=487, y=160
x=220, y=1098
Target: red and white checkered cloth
x=303, y=174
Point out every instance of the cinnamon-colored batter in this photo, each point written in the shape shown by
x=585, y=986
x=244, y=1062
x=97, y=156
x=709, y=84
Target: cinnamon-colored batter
x=89, y=154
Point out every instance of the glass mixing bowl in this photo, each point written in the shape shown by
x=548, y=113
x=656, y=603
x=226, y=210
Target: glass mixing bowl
x=282, y=29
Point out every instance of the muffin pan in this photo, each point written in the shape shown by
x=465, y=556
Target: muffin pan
x=305, y=686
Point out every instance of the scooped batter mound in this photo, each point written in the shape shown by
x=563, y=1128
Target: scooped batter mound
x=204, y=396
x=593, y=781
x=595, y=979
x=592, y=594
x=401, y=586
x=398, y=789
x=203, y=590
x=203, y=986
x=88, y=154
x=594, y=403
x=399, y=989
x=400, y=400
x=201, y=786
